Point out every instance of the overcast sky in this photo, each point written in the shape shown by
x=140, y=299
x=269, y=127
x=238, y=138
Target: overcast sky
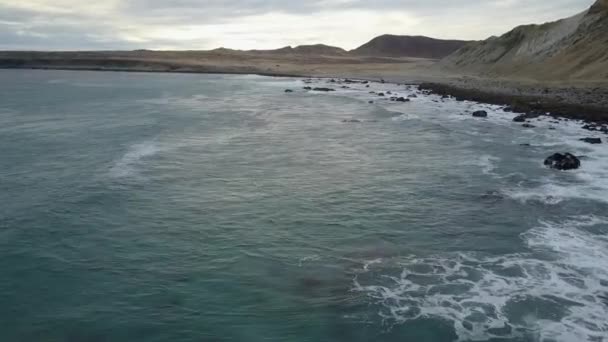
x=261, y=24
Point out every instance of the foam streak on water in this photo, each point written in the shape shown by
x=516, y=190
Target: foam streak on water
x=127, y=165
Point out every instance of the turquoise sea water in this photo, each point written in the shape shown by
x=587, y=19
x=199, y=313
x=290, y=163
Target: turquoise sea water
x=162, y=207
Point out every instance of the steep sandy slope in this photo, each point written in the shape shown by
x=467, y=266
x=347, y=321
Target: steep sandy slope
x=572, y=48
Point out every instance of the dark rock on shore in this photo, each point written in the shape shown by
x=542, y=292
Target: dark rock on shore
x=566, y=161
x=594, y=141
x=593, y=128
x=480, y=114
x=520, y=118
x=288, y=91
x=380, y=94
x=527, y=116
x=307, y=88
x=324, y=89
x=590, y=127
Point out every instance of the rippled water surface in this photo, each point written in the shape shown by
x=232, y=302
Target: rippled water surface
x=159, y=207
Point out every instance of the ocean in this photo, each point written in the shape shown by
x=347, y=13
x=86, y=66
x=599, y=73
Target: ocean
x=183, y=207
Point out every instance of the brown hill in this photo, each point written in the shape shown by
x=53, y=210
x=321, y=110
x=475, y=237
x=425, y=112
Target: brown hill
x=304, y=50
x=318, y=50
x=571, y=48
x=408, y=46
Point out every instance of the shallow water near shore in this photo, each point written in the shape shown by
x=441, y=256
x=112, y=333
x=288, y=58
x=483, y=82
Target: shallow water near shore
x=160, y=207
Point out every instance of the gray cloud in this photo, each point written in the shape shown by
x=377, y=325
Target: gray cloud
x=192, y=24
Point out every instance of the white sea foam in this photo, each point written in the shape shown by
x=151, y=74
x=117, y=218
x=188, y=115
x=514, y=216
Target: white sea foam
x=488, y=164
x=405, y=117
x=550, y=193
x=127, y=165
x=554, y=192
x=560, y=288
x=308, y=259
x=369, y=263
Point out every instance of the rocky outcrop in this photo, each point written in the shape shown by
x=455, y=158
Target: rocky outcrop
x=566, y=161
x=593, y=141
x=520, y=118
x=480, y=114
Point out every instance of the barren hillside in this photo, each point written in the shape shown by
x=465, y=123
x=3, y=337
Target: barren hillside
x=571, y=48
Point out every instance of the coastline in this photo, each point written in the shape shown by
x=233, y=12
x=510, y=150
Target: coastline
x=586, y=101
x=575, y=103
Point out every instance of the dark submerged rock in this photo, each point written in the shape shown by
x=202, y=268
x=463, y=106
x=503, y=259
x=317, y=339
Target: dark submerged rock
x=593, y=141
x=288, y=91
x=351, y=121
x=566, y=161
x=527, y=125
x=480, y=114
x=324, y=89
x=307, y=88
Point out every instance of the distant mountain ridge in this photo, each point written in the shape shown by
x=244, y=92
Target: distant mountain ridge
x=382, y=46
x=409, y=46
x=571, y=48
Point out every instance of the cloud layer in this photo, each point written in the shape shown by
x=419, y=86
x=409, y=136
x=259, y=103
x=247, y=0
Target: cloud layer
x=261, y=24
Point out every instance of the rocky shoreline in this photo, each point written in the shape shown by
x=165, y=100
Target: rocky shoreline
x=588, y=104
